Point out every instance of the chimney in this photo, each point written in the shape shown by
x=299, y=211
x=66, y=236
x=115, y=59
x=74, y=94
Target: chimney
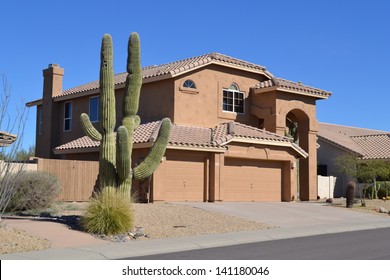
x=52, y=87
x=52, y=80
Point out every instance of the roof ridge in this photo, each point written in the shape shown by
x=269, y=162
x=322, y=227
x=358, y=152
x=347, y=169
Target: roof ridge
x=215, y=55
x=369, y=135
x=297, y=83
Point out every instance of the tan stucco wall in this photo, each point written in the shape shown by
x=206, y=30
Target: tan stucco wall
x=327, y=154
x=274, y=107
x=203, y=107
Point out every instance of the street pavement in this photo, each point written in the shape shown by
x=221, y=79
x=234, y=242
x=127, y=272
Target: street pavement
x=295, y=219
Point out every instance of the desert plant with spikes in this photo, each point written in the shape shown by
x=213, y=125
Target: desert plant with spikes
x=115, y=149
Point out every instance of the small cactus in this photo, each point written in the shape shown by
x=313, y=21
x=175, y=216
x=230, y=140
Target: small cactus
x=350, y=195
x=115, y=154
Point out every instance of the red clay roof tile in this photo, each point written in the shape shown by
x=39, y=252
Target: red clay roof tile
x=171, y=69
x=189, y=136
x=367, y=143
x=289, y=85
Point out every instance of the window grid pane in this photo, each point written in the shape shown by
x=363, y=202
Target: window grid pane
x=233, y=101
x=189, y=84
x=94, y=109
x=68, y=116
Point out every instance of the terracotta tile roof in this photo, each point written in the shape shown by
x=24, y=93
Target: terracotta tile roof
x=191, y=137
x=118, y=79
x=367, y=143
x=6, y=138
x=374, y=146
x=169, y=70
x=79, y=143
x=180, y=136
x=231, y=131
x=279, y=83
x=237, y=130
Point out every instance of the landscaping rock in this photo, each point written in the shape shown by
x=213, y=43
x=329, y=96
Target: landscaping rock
x=139, y=232
x=383, y=210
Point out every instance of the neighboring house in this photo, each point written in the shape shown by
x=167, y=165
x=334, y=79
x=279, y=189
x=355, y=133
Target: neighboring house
x=337, y=140
x=6, y=139
x=228, y=139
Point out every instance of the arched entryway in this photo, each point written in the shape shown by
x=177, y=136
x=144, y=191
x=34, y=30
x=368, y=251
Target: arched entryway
x=297, y=127
x=297, y=119
x=284, y=106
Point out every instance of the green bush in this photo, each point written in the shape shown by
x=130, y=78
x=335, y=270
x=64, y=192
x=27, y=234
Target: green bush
x=34, y=190
x=383, y=192
x=109, y=213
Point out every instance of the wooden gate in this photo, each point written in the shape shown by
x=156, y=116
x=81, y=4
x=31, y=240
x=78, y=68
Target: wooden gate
x=77, y=178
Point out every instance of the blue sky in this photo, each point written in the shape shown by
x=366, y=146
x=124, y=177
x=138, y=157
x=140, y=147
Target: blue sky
x=335, y=45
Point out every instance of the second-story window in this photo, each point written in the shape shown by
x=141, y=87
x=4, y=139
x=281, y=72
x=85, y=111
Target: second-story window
x=189, y=84
x=94, y=109
x=68, y=116
x=233, y=100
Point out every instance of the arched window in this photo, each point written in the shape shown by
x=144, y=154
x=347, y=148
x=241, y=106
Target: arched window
x=234, y=87
x=189, y=84
x=233, y=99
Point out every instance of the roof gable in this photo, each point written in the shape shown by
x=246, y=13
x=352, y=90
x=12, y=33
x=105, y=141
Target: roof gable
x=168, y=70
x=366, y=143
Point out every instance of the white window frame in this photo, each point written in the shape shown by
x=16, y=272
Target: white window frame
x=68, y=118
x=93, y=120
x=234, y=89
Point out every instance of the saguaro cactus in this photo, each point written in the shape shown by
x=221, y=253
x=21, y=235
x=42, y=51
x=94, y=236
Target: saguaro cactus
x=115, y=154
x=350, y=195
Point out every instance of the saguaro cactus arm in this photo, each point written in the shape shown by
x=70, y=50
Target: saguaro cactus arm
x=107, y=116
x=123, y=159
x=153, y=159
x=133, y=79
x=89, y=129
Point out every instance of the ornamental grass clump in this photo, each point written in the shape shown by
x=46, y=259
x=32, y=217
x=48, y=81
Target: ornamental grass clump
x=109, y=213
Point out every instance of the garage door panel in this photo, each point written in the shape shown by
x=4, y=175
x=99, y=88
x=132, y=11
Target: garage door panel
x=180, y=179
x=252, y=180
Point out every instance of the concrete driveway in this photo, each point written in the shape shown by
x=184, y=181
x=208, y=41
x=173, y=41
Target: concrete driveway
x=292, y=214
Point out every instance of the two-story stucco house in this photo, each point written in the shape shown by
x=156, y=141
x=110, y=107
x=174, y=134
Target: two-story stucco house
x=228, y=139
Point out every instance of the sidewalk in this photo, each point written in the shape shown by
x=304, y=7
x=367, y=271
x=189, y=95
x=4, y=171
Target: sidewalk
x=293, y=219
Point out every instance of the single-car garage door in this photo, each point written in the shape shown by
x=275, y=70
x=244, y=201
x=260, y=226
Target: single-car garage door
x=252, y=180
x=180, y=178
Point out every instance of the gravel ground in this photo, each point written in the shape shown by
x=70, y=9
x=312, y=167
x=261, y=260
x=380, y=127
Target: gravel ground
x=14, y=241
x=162, y=220
x=158, y=220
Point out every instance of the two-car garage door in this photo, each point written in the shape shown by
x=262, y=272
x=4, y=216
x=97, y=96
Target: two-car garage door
x=185, y=178
x=252, y=180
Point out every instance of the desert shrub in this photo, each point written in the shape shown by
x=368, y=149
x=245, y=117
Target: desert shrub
x=34, y=190
x=382, y=193
x=110, y=212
